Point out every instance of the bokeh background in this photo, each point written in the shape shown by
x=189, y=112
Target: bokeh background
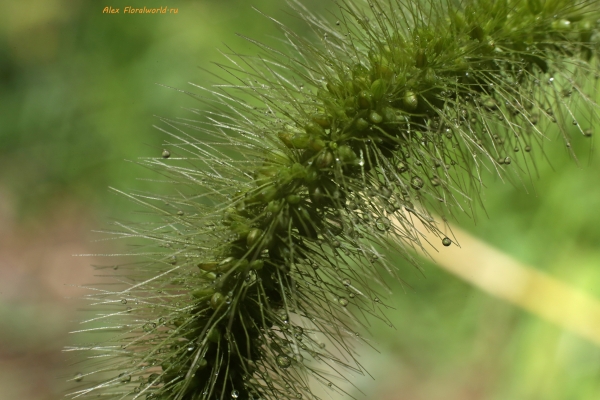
x=78, y=98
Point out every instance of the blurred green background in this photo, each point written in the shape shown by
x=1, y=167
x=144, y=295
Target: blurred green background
x=78, y=97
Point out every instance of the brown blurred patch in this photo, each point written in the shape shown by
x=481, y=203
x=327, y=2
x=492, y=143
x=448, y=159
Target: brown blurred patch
x=39, y=278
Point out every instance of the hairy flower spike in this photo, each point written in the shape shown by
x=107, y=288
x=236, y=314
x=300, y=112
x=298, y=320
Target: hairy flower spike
x=297, y=174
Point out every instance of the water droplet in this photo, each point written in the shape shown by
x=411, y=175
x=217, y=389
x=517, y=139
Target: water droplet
x=343, y=301
x=351, y=295
x=235, y=394
x=299, y=358
x=78, y=377
x=124, y=377
x=376, y=299
x=166, y=154
x=534, y=119
x=528, y=148
x=149, y=326
x=587, y=132
x=128, y=309
x=346, y=282
x=446, y=241
x=124, y=301
x=507, y=160
x=383, y=224
x=416, y=183
x=179, y=212
x=154, y=379
x=283, y=361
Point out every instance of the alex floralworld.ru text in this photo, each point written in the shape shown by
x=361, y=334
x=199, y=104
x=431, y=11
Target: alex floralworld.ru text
x=143, y=10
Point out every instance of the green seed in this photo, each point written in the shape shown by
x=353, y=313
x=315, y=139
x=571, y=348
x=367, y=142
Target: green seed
x=208, y=266
x=410, y=101
x=361, y=124
x=202, y=293
x=322, y=120
x=346, y=154
x=214, y=335
x=562, y=25
x=257, y=264
x=375, y=118
x=324, y=159
x=420, y=59
x=253, y=236
x=300, y=141
x=274, y=206
x=317, y=144
x=267, y=194
x=365, y=99
x=293, y=199
x=216, y=300
x=313, y=128
x=378, y=89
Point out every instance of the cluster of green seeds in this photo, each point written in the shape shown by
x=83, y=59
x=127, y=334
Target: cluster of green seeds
x=258, y=267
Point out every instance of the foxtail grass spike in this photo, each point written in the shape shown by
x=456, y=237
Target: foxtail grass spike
x=258, y=262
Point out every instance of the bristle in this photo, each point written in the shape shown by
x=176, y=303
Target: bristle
x=254, y=268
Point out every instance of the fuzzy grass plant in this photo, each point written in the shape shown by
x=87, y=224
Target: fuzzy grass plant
x=262, y=251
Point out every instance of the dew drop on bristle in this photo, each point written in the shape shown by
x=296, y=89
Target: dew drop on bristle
x=343, y=301
x=166, y=154
x=283, y=362
x=346, y=282
x=417, y=183
x=446, y=241
x=78, y=377
x=235, y=394
x=383, y=224
x=124, y=377
x=149, y=327
x=153, y=379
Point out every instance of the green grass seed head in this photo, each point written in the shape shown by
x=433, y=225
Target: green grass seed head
x=251, y=274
